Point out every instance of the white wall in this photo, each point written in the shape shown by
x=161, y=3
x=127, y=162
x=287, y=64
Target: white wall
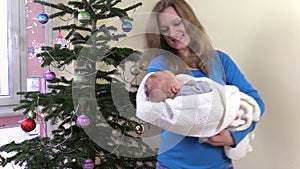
x=263, y=37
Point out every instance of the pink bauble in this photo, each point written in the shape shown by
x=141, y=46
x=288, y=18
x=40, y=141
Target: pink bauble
x=88, y=164
x=49, y=76
x=83, y=121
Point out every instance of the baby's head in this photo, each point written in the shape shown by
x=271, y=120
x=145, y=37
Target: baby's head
x=162, y=85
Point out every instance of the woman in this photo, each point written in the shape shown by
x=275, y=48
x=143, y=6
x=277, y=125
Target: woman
x=179, y=36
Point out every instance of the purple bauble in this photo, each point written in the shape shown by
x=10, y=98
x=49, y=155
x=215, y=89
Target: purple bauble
x=126, y=26
x=83, y=121
x=49, y=76
x=43, y=18
x=88, y=164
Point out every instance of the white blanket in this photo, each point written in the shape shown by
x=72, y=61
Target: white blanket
x=201, y=115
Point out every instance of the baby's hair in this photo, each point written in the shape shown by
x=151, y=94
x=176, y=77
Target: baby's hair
x=157, y=76
x=153, y=76
x=161, y=85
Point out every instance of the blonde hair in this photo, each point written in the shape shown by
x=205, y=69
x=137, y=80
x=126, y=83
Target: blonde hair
x=200, y=46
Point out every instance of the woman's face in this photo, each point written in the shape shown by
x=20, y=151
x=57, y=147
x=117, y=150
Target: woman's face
x=173, y=29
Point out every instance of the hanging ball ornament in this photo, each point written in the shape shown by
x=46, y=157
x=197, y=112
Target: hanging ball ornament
x=83, y=121
x=134, y=70
x=28, y=124
x=31, y=115
x=84, y=16
x=126, y=26
x=49, y=76
x=43, y=18
x=88, y=164
x=2, y=160
x=139, y=129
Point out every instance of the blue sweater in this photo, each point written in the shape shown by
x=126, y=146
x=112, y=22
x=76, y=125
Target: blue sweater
x=182, y=152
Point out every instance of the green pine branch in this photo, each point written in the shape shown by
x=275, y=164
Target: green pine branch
x=70, y=145
x=64, y=9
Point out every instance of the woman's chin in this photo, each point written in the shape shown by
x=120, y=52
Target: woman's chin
x=178, y=44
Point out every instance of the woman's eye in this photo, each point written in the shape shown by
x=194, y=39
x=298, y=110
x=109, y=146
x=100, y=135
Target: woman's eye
x=178, y=22
x=163, y=30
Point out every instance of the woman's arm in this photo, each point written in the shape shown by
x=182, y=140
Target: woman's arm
x=235, y=77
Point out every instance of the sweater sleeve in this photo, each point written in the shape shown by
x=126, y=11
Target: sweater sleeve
x=157, y=64
x=235, y=77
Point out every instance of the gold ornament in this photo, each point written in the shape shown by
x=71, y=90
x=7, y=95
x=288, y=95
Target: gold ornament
x=2, y=160
x=139, y=129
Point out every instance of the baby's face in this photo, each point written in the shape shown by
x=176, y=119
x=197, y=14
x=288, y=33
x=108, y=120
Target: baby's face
x=154, y=89
x=158, y=87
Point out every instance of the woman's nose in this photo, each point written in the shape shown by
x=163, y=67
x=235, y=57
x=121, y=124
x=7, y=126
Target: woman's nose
x=172, y=32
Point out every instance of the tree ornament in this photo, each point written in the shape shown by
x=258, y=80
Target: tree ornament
x=28, y=124
x=49, y=76
x=2, y=160
x=31, y=115
x=134, y=70
x=84, y=16
x=59, y=38
x=43, y=18
x=139, y=129
x=83, y=121
x=88, y=164
x=126, y=26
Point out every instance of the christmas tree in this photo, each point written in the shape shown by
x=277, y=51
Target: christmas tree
x=94, y=112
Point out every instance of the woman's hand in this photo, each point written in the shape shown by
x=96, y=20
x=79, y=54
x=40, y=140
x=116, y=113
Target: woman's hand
x=224, y=138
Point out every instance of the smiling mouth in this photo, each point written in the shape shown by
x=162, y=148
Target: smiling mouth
x=178, y=38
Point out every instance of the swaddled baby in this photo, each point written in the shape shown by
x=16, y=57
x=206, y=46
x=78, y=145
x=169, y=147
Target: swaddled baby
x=197, y=107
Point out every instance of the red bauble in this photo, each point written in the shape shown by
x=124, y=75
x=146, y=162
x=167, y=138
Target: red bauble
x=28, y=124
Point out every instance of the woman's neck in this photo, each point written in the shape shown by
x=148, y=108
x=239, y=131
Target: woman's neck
x=184, y=53
x=191, y=61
